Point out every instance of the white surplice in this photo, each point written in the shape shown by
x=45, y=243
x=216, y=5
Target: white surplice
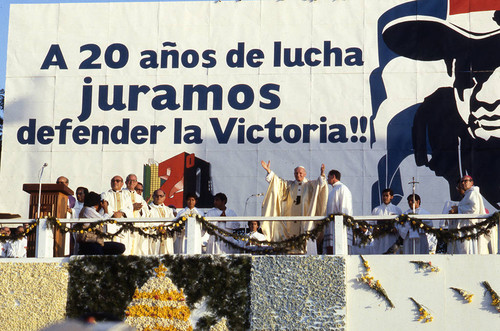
x=180, y=242
x=472, y=203
x=119, y=201
x=137, y=244
x=160, y=246
x=382, y=244
x=215, y=246
x=417, y=241
x=339, y=202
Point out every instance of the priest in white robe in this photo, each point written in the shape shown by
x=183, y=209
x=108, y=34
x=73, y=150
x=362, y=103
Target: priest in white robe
x=417, y=241
x=382, y=244
x=159, y=210
x=136, y=244
x=80, y=198
x=471, y=203
x=298, y=197
x=339, y=202
x=119, y=206
x=180, y=243
x=215, y=246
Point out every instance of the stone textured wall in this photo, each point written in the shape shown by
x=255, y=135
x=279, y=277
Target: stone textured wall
x=298, y=293
x=33, y=295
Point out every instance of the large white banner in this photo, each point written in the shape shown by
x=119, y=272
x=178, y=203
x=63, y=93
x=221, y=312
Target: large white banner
x=101, y=89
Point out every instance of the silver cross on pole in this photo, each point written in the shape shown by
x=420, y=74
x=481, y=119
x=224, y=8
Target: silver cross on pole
x=413, y=182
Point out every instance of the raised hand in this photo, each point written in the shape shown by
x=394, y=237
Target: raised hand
x=266, y=166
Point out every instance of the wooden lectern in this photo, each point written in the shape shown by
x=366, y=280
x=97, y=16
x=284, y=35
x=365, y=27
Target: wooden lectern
x=53, y=203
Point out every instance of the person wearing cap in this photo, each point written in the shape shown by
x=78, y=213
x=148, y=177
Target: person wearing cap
x=456, y=130
x=299, y=197
x=471, y=203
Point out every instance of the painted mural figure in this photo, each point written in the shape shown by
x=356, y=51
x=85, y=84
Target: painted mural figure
x=456, y=129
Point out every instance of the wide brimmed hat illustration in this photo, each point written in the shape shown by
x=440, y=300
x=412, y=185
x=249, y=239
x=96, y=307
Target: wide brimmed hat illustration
x=468, y=41
x=470, y=37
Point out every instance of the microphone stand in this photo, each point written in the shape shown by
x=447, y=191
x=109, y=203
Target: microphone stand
x=40, y=189
x=413, y=182
x=246, y=202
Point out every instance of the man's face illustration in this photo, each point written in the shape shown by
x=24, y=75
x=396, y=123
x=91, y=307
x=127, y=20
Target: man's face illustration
x=480, y=107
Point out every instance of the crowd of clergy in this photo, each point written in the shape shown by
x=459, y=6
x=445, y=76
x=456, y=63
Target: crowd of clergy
x=303, y=197
x=298, y=197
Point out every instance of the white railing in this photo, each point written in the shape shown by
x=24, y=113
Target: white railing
x=45, y=240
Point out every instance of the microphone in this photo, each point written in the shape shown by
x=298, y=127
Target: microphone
x=45, y=164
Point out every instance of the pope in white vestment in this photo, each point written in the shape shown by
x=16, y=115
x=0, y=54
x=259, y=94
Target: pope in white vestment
x=298, y=197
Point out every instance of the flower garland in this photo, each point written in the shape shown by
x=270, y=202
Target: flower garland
x=466, y=295
x=423, y=312
x=426, y=266
x=160, y=232
x=375, y=285
x=270, y=247
x=495, y=300
x=447, y=235
x=265, y=247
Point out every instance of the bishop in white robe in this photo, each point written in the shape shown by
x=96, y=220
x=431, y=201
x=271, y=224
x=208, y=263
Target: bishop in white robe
x=471, y=203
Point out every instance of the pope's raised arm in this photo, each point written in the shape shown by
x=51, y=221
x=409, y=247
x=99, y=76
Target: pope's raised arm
x=266, y=166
